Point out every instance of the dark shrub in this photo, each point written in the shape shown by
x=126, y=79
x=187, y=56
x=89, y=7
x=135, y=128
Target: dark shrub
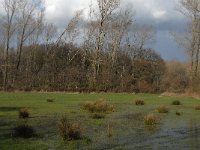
x=139, y=102
x=50, y=100
x=24, y=131
x=178, y=113
x=98, y=116
x=23, y=113
x=176, y=102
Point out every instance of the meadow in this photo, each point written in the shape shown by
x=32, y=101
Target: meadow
x=120, y=129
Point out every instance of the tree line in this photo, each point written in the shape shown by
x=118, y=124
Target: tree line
x=105, y=50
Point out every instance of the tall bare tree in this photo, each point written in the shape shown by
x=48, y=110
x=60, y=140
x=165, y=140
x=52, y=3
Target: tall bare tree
x=71, y=32
x=119, y=29
x=8, y=29
x=106, y=9
x=191, y=9
x=29, y=19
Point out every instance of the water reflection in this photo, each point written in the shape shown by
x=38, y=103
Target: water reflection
x=194, y=132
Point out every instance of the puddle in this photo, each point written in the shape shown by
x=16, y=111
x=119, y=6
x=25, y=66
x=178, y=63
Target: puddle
x=184, y=137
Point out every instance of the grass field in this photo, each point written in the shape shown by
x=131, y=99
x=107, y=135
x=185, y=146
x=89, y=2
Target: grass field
x=126, y=122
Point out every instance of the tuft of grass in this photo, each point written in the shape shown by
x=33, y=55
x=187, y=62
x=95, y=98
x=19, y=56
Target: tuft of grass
x=98, y=116
x=24, y=113
x=88, y=106
x=176, y=102
x=50, y=100
x=109, y=131
x=197, y=107
x=150, y=120
x=178, y=113
x=74, y=131
x=63, y=127
x=68, y=130
x=24, y=131
x=162, y=109
x=139, y=102
x=98, y=106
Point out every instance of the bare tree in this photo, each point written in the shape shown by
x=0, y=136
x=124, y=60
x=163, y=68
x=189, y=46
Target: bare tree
x=191, y=9
x=49, y=34
x=112, y=56
x=29, y=19
x=106, y=9
x=8, y=29
x=119, y=29
x=71, y=32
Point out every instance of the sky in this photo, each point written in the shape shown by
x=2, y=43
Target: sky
x=161, y=14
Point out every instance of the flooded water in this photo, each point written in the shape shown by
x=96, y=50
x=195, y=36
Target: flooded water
x=184, y=135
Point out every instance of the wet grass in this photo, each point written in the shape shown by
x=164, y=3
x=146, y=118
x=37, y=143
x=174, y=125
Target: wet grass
x=125, y=124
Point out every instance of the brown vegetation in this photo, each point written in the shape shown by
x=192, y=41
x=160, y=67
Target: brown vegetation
x=24, y=113
x=151, y=119
x=109, y=131
x=68, y=130
x=175, y=78
x=197, y=107
x=178, y=113
x=98, y=116
x=50, y=100
x=139, y=102
x=176, y=102
x=162, y=109
x=98, y=106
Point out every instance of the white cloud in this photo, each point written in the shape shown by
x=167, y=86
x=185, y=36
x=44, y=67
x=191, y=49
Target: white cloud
x=158, y=14
x=152, y=9
x=1, y=7
x=59, y=11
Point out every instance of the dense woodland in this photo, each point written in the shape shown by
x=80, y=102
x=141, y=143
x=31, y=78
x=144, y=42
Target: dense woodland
x=102, y=48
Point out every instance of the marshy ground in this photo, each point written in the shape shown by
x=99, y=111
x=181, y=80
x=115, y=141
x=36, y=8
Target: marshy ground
x=121, y=129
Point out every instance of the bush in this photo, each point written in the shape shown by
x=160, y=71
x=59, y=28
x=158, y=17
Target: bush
x=88, y=106
x=50, y=100
x=139, y=102
x=176, y=102
x=176, y=78
x=74, y=131
x=162, y=109
x=98, y=116
x=178, y=113
x=98, y=106
x=63, y=127
x=150, y=120
x=197, y=107
x=69, y=131
x=24, y=131
x=24, y=113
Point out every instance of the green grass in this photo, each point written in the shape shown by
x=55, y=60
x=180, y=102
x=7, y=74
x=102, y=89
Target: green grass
x=127, y=122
